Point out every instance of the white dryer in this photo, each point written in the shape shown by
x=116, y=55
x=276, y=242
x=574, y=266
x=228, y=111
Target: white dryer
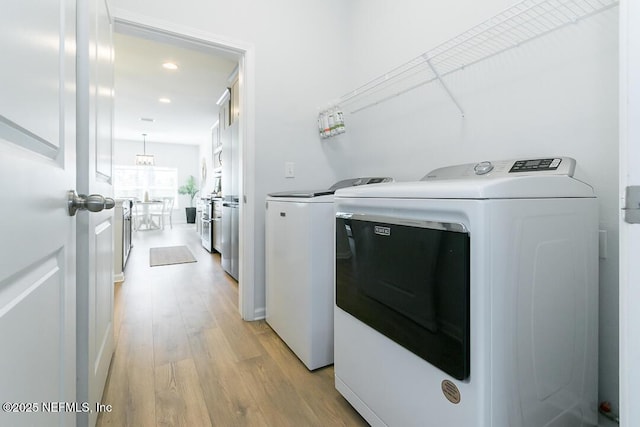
x=299, y=269
x=469, y=298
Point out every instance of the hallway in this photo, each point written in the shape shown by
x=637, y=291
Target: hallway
x=184, y=357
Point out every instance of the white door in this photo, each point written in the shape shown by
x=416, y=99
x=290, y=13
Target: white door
x=95, y=231
x=629, y=233
x=37, y=235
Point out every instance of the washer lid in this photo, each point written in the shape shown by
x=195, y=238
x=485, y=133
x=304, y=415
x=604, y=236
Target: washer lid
x=340, y=184
x=510, y=179
x=305, y=194
x=327, y=198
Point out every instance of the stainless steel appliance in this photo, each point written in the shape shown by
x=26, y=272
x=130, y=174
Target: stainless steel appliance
x=122, y=237
x=217, y=224
x=230, y=232
x=199, y=207
x=127, y=206
x=230, y=189
x=206, y=224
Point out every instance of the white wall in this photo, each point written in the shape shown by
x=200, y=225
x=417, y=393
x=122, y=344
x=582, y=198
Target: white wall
x=555, y=96
x=184, y=157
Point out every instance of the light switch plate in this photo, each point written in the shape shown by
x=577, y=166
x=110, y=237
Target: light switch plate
x=289, y=170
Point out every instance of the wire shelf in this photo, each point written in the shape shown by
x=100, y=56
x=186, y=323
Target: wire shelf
x=513, y=27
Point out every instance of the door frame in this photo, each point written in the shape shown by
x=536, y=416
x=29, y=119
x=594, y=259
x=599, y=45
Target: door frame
x=629, y=144
x=629, y=371
x=246, y=75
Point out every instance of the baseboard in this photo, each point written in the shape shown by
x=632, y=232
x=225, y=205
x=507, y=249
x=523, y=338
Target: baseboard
x=259, y=313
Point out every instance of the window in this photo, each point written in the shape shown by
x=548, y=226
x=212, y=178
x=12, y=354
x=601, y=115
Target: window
x=132, y=182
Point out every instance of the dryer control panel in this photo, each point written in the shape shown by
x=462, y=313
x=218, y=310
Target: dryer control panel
x=503, y=168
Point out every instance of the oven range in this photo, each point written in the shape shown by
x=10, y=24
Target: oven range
x=211, y=220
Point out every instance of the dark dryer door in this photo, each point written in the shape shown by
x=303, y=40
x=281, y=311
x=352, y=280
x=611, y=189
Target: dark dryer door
x=409, y=280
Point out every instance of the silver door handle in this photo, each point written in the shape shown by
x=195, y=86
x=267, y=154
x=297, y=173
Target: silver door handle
x=91, y=203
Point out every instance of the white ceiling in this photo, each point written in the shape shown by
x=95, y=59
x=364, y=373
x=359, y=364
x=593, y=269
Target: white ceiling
x=140, y=80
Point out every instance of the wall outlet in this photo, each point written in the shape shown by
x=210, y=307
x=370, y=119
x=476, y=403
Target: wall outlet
x=289, y=170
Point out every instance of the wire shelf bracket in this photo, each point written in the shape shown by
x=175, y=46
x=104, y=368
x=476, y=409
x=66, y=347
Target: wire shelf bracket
x=444, y=85
x=521, y=23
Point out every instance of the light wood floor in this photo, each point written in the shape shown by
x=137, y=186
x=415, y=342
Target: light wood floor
x=184, y=357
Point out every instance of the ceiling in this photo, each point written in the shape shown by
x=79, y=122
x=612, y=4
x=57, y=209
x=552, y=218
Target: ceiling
x=140, y=81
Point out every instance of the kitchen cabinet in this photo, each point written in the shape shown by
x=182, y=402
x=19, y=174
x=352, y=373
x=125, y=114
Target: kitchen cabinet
x=234, y=113
x=224, y=113
x=217, y=149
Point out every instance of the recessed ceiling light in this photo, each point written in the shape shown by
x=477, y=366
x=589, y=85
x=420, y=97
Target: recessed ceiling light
x=164, y=100
x=170, y=66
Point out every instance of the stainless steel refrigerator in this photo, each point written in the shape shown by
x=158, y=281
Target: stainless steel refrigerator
x=230, y=253
x=231, y=198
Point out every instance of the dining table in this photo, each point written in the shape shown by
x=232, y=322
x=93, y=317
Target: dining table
x=144, y=221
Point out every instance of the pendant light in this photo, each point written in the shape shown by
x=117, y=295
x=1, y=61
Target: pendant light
x=144, y=159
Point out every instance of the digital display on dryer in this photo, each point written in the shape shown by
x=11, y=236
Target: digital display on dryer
x=534, y=165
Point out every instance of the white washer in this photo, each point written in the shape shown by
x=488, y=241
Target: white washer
x=470, y=298
x=299, y=269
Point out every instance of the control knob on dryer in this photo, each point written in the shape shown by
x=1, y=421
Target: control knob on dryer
x=483, y=168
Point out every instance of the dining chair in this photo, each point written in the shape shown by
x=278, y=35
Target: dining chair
x=164, y=212
x=167, y=210
x=137, y=214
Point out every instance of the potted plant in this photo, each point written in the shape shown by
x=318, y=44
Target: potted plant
x=190, y=189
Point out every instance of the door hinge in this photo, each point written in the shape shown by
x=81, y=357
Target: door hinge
x=632, y=205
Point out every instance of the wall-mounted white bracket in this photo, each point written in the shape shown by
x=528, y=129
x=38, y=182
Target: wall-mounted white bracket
x=443, y=84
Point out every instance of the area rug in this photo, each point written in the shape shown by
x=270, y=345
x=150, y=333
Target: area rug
x=170, y=255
